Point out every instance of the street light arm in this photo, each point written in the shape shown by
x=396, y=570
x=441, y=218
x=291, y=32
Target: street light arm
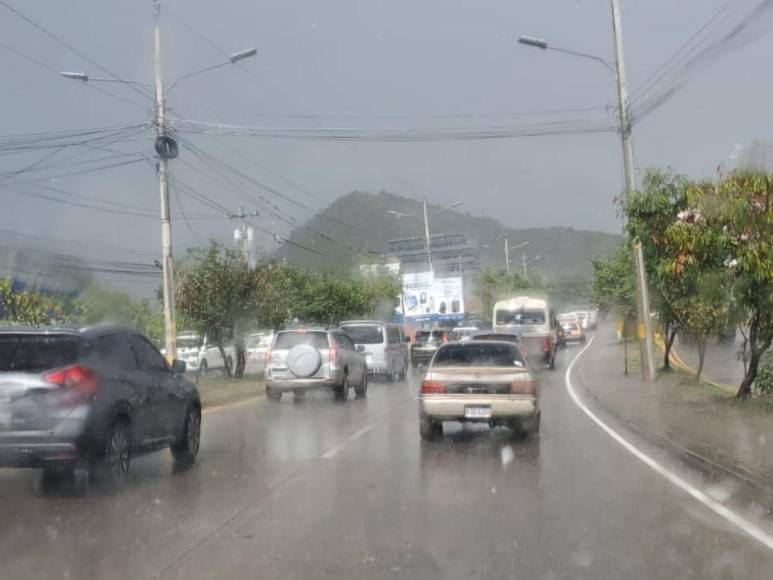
x=542, y=44
x=233, y=59
x=603, y=61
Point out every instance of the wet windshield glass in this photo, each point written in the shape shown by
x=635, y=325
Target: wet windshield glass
x=364, y=334
x=478, y=354
x=189, y=342
x=519, y=316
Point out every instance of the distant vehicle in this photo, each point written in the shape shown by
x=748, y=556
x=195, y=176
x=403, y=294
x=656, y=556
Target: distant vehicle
x=200, y=355
x=257, y=345
x=462, y=333
x=85, y=402
x=582, y=318
x=304, y=359
x=533, y=320
x=425, y=343
x=573, y=332
x=478, y=381
x=593, y=319
x=385, y=346
x=564, y=318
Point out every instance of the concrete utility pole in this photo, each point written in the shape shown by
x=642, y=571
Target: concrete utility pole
x=167, y=265
x=523, y=262
x=426, y=234
x=507, y=255
x=243, y=234
x=642, y=295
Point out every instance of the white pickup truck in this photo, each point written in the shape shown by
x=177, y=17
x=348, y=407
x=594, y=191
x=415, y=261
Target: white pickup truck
x=201, y=356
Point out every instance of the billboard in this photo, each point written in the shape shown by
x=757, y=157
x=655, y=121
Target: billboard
x=430, y=299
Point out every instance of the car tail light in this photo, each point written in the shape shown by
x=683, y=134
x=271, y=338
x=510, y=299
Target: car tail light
x=333, y=353
x=268, y=355
x=433, y=387
x=81, y=382
x=523, y=385
x=445, y=337
x=546, y=344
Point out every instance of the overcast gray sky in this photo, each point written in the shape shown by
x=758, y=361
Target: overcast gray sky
x=376, y=64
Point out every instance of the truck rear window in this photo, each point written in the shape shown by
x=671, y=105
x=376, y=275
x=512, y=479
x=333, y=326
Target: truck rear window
x=37, y=352
x=521, y=316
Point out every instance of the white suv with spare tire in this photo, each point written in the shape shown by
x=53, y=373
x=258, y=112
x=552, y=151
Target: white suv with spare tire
x=304, y=359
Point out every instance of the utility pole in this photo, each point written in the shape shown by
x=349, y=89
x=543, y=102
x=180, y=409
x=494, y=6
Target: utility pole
x=642, y=297
x=242, y=233
x=426, y=234
x=523, y=262
x=507, y=255
x=167, y=265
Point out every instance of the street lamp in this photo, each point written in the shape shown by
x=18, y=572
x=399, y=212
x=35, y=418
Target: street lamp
x=642, y=297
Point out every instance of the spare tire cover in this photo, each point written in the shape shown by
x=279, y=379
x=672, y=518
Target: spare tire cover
x=303, y=360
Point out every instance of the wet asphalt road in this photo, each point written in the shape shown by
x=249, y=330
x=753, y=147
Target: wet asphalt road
x=324, y=489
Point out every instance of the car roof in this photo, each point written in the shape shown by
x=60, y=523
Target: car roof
x=88, y=332
x=364, y=322
x=521, y=301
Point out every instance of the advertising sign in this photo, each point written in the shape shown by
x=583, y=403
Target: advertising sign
x=429, y=299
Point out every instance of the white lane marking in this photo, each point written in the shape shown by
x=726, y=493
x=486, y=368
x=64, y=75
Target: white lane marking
x=754, y=531
x=333, y=451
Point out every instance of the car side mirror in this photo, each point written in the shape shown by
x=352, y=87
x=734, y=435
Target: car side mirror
x=359, y=348
x=178, y=367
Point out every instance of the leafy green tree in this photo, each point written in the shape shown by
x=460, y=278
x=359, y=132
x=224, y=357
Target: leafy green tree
x=649, y=213
x=737, y=210
x=500, y=285
x=216, y=291
x=613, y=287
x=30, y=307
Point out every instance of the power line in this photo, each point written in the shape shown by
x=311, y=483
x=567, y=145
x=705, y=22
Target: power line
x=67, y=45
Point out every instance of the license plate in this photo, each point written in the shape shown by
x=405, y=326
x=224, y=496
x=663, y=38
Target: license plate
x=477, y=412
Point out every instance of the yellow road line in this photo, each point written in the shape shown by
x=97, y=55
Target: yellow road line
x=677, y=361
x=232, y=405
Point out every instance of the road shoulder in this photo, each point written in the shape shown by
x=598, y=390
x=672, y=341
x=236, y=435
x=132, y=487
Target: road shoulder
x=707, y=427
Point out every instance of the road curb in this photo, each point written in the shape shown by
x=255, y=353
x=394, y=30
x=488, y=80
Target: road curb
x=697, y=460
x=677, y=361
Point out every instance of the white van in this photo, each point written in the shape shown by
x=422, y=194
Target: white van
x=386, y=346
x=534, y=321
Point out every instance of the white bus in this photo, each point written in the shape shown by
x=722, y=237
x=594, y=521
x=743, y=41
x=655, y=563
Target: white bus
x=534, y=321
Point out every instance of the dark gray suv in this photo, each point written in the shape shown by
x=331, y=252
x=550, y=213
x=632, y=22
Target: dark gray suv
x=88, y=400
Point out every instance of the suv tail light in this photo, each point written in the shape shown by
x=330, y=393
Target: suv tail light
x=332, y=351
x=81, y=382
x=433, y=387
x=445, y=337
x=523, y=385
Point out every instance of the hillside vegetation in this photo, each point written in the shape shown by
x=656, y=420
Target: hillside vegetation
x=358, y=223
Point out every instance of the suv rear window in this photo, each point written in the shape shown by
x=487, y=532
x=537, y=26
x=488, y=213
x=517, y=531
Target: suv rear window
x=37, y=352
x=425, y=336
x=478, y=354
x=287, y=340
x=365, y=333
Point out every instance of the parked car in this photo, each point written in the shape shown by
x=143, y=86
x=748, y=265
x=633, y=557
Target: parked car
x=478, y=381
x=385, y=346
x=425, y=343
x=257, y=345
x=201, y=355
x=304, y=359
x=88, y=401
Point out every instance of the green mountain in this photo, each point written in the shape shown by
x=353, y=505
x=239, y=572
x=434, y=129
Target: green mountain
x=355, y=228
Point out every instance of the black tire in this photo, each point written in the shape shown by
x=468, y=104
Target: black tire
x=186, y=447
x=273, y=395
x=116, y=458
x=342, y=392
x=428, y=428
x=362, y=389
